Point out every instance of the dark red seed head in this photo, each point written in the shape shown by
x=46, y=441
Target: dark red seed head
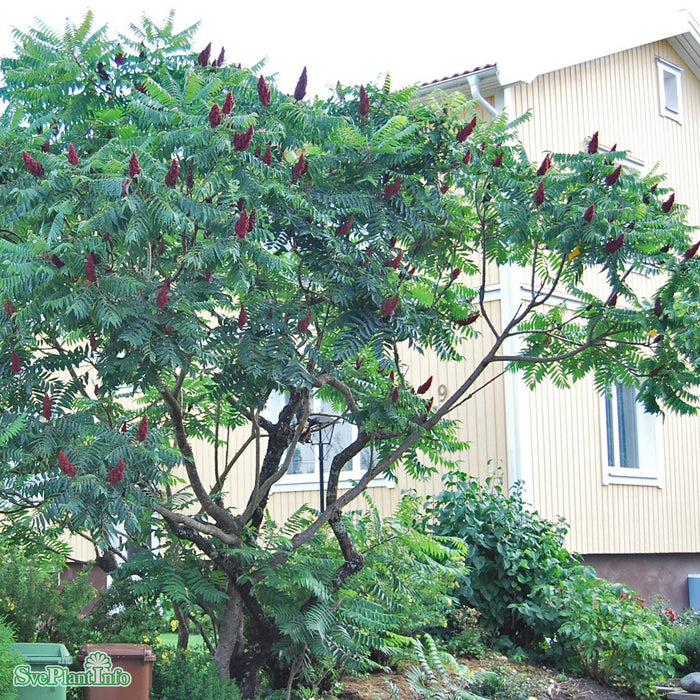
x=395, y=395
x=220, y=60
x=90, y=272
x=241, y=226
x=469, y=320
x=264, y=94
x=344, y=229
x=658, y=307
x=539, y=194
x=33, y=166
x=389, y=306
x=252, y=219
x=666, y=206
x=612, y=301
x=172, y=174
x=305, y=322
x=690, y=253
x=391, y=189
x=395, y=262
x=229, y=104
x=65, y=465
x=46, y=407
x=614, y=244
x=456, y=272
x=142, y=432
x=300, y=167
x=134, y=167
x=117, y=474
x=464, y=133
x=215, y=115
x=16, y=365
x=72, y=155
x=162, y=298
x=593, y=143
x=203, y=58
x=544, y=166
x=425, y=386
x=242, y=141
x=267, y=156
x=589, y=214
x=93, y=340
x=467, y=158
x=498, y=160
x=10, y=309
x=363, y=107
x=614, y=176
x=242, y=317
x=300, y=89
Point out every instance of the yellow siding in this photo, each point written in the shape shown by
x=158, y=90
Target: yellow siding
x=617, y=96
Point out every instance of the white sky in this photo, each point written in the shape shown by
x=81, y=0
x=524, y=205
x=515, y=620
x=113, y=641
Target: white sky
x=359, y=41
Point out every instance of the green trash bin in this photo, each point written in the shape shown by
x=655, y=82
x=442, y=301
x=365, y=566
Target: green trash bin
x=38, y=656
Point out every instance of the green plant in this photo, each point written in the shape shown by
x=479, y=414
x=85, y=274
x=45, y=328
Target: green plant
x=8, y=660
x=513, y=555
x=40, y=608
x=684, y=635
x=185, y=674
x=464, y=635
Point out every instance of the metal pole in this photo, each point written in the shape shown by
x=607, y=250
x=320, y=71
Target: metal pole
x=320, y=471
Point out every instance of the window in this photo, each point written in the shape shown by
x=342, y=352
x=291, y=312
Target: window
x=670, y=93
x=305, y=468
x=632, y=440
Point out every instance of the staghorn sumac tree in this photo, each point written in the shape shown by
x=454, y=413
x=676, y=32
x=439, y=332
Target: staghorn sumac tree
x=167, y=264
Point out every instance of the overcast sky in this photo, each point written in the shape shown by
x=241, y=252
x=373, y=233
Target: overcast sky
x=361, y=40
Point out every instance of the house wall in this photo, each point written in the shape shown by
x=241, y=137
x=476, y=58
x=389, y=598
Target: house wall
x=618, y=96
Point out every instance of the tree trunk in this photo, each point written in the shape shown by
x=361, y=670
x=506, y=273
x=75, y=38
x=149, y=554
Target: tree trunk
x=231, y=639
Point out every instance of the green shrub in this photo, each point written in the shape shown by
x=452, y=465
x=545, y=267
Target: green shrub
x=533, y=595
x=185, y=674
x=685, y=637
x=8, y=660
x=40, y=608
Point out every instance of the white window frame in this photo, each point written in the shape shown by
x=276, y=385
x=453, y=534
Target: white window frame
x=670, y=78
x=650, y=462
x=309, y=481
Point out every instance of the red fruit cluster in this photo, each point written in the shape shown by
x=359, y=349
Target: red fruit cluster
x=252, y=219
x=498, y=160
x=344, y=229
x=220, y=60
x=593, y=143
x=134, y=167
x=469, y=319
x=395, y=262
x=33, y=166
x=72, y=155
x=142, y=432
x=229, y=104
x=690, y=253
x=215, y=115
x=539, y=195
x=612, y=301
x=300, y=89
x=614, y=244
x=242, y=141
x=464, y=133
x=658, y=307
x=391, y=189
x=363, y=107
x=467, y=158
x=264, y=94
x=10, y=309
x=172, y=174
x=300, y=167
x=241, y=226
x=456, y=272
x=389, y=306
x=117, y=474
x=162, y=298
x=544, y=166
x=46, y=407
x=395, y=395
x=589, y=214
x=90, y=272
x=16, y=365
x=242, y=317
x=65, y=465
x=267, y=156
x=203, y=58
x=666, y=206
x=614, y=176
x=305, y=322
x=425, y=385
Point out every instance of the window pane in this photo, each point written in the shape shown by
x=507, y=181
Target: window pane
x=671, y=91
x=610, y=430
x=627, y=427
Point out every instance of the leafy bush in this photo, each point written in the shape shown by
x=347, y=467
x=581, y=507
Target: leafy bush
x=184, y=674
x=684, y=634
x=536, y=596
x=512, y=555
x=39, y=607
x=8, y=660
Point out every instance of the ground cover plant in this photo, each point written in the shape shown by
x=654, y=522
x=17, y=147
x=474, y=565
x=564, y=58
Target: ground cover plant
x=182, y=245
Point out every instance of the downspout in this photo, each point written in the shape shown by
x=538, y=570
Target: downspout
x=473, y=79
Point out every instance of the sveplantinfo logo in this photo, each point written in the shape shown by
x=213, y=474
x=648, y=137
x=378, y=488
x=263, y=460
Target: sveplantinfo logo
x=97, y=671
